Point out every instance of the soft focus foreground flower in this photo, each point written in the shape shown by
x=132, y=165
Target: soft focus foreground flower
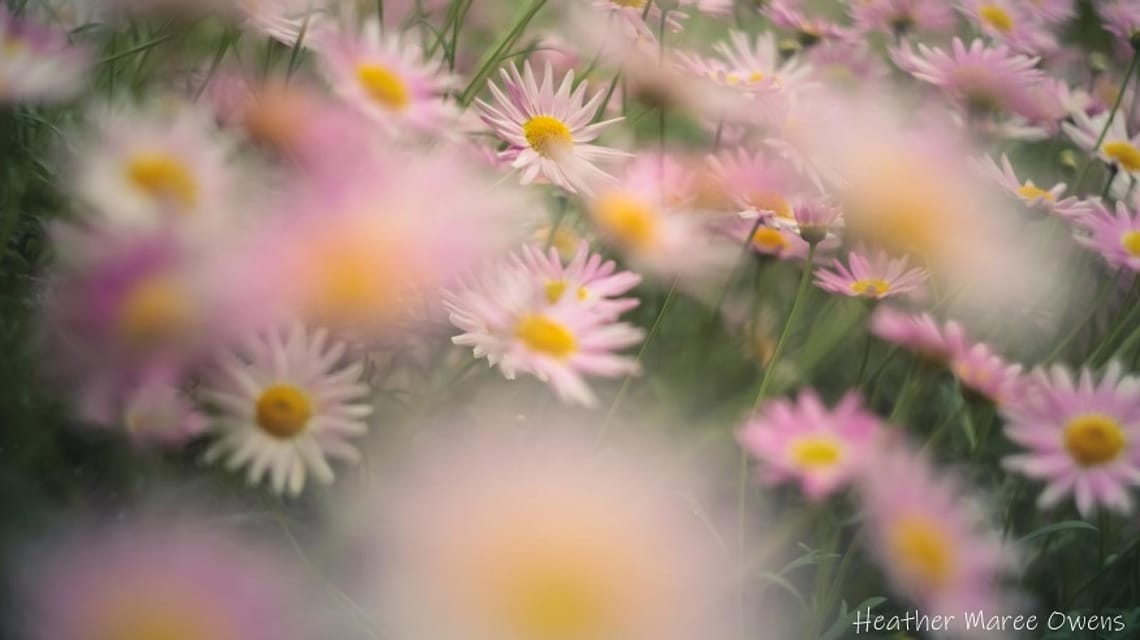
x=980, y=78
x=1122, y=19
x=920, y=334
x=1032, y=195
x=37, y=62
x=161, y=415
x=536, y=537
x=549, y=128
x=1081, y=436
x=900, y=17
x=984, y=373
x=821, y=448
x=929, y=538
x=521, y=320
x=155, y=579
x=760, y=183
x=1117, y=149
x=286, y=401
x=1115, y=236
x=389, y=78
x=587, y=276
x=877, y=277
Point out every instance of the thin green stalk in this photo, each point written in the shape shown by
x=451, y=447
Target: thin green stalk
x=119, y=55
x=1102, y=293
x=744, y=250
x=1130, y=316
x=504, y=44
x=1107, y=123
x=910, y=388
x=793, y=315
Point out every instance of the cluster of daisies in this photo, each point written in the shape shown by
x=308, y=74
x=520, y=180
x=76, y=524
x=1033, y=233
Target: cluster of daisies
x=341, y=196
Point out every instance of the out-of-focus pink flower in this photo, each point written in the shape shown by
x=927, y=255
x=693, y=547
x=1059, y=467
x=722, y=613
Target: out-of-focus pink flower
x=37, y=62
x=791, y=15
x=1118, y=148
x=979, y=78
x=161, y=415
x=1013, y=23
x=1033, y=196
x=920, y=333
x=586, y=276
x=985, y=374
x=1122, y=19
x=754, y=64
x=931, y=539
x=761, y=183
x=550, y=128
x=1082, y=437
x=877, y=277
x=846, y=64
x=817, y=219
x=1115, y=236
x=639, y=23
x=903, y=16
x=823, y=449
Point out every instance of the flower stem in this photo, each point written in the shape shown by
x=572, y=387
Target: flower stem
x=1108, y=122
x=793, y=315
x=505, y=43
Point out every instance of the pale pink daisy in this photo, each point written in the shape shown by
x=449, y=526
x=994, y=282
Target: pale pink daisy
x=1081, y=436
x=586, y=277
x=288, y=21
x=1115, y=236
x=777, y=241
x=877, y=277
x=979, y=78
x=903, y=16
x=920, y=334
x=1012, y=22
x=761, y=184
x=1122, y=19
x=790, y=15
x=389, y=78
x=159, y=414
x=756, y=63
x=847, y=64
x=823, y=449
x=285, y=401
x=985, y=374
x=550, y=128
x=37, y=62
x=817, y=219
x=1118, y=148
x=1055, y=11
x=930, y=538
x=506, y=316
x=639, y=22
x=1048, y=200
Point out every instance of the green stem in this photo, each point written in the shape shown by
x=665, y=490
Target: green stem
x=504, y=44
x=910, y=388
x=1107, y=123
x=793, y=315
x=1105, y=348
x=1102, y=293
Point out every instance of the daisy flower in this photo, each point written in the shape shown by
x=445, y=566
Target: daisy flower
x=877, y=277
x=158, y=579
x=586, y=277
x=903, y=16
x=803, y=440
x=37, y=62
x=506, y=316
x=1121, y=18
x=389, y=79
x=984, y=374
x=639, y=23
x=1081, y=437
x=777, y=241
x=287, y=21
x=550, y=129
x=979, y=78
x=816, y=219
x=1014, y=23
x=930, y=539
x=1028, y=193
x=761, y=184
x=286, y=400
x=847, y=64
x=789, y=14
x=1116, y=237
x=920, y=334
x=757, y=63
x=1117, y=149
x=159, y=414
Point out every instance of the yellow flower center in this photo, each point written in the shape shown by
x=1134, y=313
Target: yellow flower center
x=163, y=177
x=996, y=17
x=769, y=239
x=1130, y=240
x=155, y=311
x=815, y=452
x=1093, y=439
x=629, y=220
x=871, y=287
x=159, y=622
x=546, y=336
x=763, y=200
x=565, y=240
x=1124, y=154
x=631, y=4
x=383, y=86
x=923, y=550
x=1032, y=192
x=558, y=603
x=547, y=135
x=557, y=288
x=283, y=411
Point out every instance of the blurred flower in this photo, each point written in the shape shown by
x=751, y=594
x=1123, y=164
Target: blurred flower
x=389, y=79
x=790, y=14
x=920, y=333
x=755, y=64
x=1033, y=196
x=1117, y=149
x=508, y=315
x=930, y=538
x=639, y=19
x=1115, y=237
x=847, y=64
x=1055, y=11
x=160, y=414
x=286, y=399
x=159, y=579
x=822, y=449
x=1122, y=19
x=900, y=17
x=550, y=129
x=587, y=277
x=981, y=79
x=289, y=21
x=38, y=63
x=778, y=241
x=760, y=183
x=1082, y=437
x=816, y=219
x=877, y=277
x=984, y=374
x=1014, y=23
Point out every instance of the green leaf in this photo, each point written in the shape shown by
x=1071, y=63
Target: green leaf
x=845, y=619
x=783, y=583
x=1055, y=527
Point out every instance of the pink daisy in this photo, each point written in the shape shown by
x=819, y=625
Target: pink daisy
x=930, y=539
x=1014, y=23
x=877, y=277
x=984, y=374
x=803, y=440
x=980, y=78
x=816, y=219
x=1116, y=237
x=587, y=277
x=506, y=316
x=1081, y=437
x=159, y=414
x=769, y=240
x=761, y=184
x=550, y=128
x=388, y=78
x=1118, y=148
x=638, y=22
x=757, y=63
x=1122, y=19
x=1048, y=200
x=37, y=62
x=920, y=334
x=903, y=16
x=790, y=15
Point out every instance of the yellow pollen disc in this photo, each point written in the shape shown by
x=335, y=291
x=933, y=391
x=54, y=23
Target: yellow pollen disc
x=632, y=4
x=556, y=288
x=383, y=86
x=161, y=623
x=628, y=219
x=923, y=550
x=871, y=287
x=546, y=336
x=565, y=240
x=163, y=177
x=559, y=603
x=771, y=201
x=155, y=311
x=756, y=76
x=1033, y=192
x=816, y=452
x=547, y=135
x=283, y=411
x=769, y=239
x=996, y=17
x=1093, y=439
x=1130, y=240
x=1124, y=154
x=732, y=78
